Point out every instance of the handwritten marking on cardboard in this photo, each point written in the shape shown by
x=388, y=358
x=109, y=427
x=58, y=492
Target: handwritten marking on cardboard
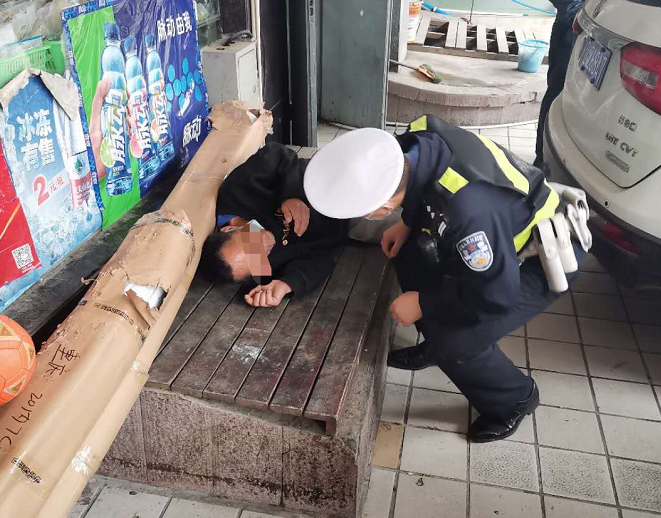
x=21, y=417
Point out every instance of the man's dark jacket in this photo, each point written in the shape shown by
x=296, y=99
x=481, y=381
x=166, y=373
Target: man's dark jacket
x=256, y=190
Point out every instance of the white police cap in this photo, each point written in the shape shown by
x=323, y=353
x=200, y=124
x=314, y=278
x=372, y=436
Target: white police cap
x=355, y=174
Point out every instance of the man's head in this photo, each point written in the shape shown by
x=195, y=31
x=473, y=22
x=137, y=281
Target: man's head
x=236, y=253
x=358, y=174
x=395, y=201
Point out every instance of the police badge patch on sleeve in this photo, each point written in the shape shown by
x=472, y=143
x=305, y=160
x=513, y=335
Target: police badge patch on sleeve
x=476, y=251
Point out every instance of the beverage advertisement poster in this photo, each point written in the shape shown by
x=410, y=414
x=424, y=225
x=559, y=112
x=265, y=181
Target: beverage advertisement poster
x=18, y=256
x=145, y=105
x=46, y=153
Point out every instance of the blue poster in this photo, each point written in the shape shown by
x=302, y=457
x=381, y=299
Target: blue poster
x=47, y=158
x=144, y=99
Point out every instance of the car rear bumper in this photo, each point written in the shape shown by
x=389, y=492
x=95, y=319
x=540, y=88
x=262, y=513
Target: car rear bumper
x=641, y=269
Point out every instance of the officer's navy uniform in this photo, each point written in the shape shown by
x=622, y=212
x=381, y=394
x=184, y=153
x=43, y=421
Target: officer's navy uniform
x=471, y=207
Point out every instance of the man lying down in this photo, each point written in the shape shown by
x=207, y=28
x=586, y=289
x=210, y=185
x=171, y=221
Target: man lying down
x=268, y=235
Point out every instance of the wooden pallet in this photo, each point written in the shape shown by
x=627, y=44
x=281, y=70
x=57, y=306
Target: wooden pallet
x=450, y=35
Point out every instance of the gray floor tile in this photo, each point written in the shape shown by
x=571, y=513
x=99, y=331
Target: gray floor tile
x=599, y=283
x=615, y=364
x=379, y=494
x=494, y=132
x=522, y=142
x=591, y=264
x=189, y=509
x=637, y=514
x=439, y=410
x=122, y=503
x=568, y=429
x=556, y=356
x=255, y=514
x=394, y=403
x=576, y=475
x=649, y=337
x=434, y=378
x=563, y=306
x=546, y=326
x=490, y=502
x=644, y=311
x=564, y=390
x=519, y=332
x=431, y=452
x=626, y=399
x=653, y=362
x=607, y=333
x=561, y=508
x=599, y=306
x=638, y=484
x=398, y=376
x=427, y=495
x=515, y=349
x=505, y=464
x=525, y=433
x=632, y=438
x=92, y=489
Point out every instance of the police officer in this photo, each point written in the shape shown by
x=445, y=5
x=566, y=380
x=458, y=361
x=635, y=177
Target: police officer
x=469, y=209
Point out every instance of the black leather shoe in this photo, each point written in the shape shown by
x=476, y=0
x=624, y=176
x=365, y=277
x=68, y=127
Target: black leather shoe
x=410, y=359
x=484, y=429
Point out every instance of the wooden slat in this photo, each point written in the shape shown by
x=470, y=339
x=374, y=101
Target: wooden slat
x=337, y=370
x=184, y=343
x=294, y=148
x=196, y=293
x=296, y=384
x=481, y=38
x=451, y=40
x=501, y=39
x=200, y=368
x=520, y=35
x=263, y=379
x=423, y=28
x=226, y=382
x=462, y=28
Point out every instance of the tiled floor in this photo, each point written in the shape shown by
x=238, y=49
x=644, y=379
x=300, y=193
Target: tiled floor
x=592, y=449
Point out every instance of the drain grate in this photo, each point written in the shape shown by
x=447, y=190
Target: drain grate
x=457, y=37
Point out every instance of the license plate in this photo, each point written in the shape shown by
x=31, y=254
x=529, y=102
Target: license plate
x=593, y=61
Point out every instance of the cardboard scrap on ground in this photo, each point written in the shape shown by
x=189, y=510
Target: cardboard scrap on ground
x=89, y=373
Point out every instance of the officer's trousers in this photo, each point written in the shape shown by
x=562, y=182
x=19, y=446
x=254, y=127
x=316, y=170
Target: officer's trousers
x=469, y=353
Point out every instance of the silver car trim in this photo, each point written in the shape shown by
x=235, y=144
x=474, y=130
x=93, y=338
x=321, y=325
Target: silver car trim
x=608, y=39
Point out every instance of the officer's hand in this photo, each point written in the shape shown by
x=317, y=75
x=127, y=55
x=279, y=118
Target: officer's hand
x=405, y=309
x=394, y=238
x=268, y=296
x=295, y=210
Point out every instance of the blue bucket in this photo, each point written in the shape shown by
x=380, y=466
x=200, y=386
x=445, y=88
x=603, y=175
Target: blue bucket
x=531, y=55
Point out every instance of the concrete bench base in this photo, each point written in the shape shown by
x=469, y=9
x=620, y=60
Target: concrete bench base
x=187, y=443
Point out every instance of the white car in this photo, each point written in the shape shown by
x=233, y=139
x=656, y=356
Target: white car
x=603, y=133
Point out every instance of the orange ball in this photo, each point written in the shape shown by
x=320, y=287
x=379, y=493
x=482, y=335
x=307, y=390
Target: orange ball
x=17, y=359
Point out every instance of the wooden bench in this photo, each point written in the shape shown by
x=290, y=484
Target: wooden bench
x=278, y=406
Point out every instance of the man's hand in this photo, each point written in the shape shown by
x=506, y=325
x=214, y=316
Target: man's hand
x=394, y=238
x=96, y=135
x=294, y=209
x=268, y=296
x=405, y=309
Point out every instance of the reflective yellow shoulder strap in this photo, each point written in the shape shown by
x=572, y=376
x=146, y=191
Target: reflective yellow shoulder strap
x=545, y=212
x=419, y=124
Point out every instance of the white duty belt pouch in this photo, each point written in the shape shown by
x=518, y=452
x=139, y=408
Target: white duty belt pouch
x=552, y=238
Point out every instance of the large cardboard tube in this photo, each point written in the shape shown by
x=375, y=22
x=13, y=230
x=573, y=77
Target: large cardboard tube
x=42, y=473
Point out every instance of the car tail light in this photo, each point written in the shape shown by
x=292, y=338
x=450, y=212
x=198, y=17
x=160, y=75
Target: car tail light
x=576, y=27
x=617, y=236
x=640, y=68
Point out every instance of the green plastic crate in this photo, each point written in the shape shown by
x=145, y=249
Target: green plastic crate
x=48, y=57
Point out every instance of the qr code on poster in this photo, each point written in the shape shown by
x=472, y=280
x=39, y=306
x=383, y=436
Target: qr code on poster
x=22, y=256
